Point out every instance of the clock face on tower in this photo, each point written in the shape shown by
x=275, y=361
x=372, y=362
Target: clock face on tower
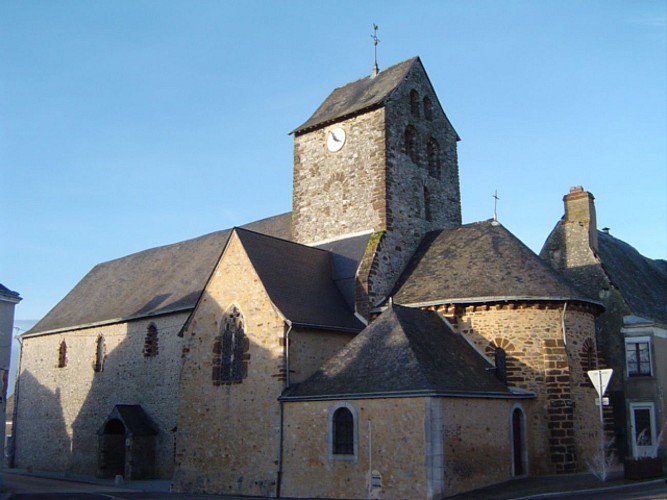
x=335, y=139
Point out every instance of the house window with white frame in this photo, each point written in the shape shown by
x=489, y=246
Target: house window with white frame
x=638, y=356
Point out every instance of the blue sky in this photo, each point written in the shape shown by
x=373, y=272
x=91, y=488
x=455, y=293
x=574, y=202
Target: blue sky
x=126, y=125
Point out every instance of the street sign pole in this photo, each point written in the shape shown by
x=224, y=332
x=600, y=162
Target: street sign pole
x=600, y=380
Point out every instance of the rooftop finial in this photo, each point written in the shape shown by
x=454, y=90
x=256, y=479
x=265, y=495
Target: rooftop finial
x=376, y=40
x=495, y=207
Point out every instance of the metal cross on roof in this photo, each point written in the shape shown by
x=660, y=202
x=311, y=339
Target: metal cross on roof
x=495, y=206
x=376, y=40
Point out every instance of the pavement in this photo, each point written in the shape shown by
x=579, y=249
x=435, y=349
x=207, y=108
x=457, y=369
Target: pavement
x=538, y=487
x=555, y=486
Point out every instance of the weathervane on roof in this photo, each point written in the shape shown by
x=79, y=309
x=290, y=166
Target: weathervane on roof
x=376, y=40
x=495, y=207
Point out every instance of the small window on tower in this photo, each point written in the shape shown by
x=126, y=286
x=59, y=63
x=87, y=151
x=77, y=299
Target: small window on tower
x=62, y=355
x=433, y=152
x=428, y=109
x=411, y=143
x=428, y=214
x=414, y=103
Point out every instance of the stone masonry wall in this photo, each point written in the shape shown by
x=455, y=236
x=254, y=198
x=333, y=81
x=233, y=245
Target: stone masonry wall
x=310, y=349
x=571, y=249
x=474, y=434
x=335, y=194
x=423, y=190
x=381, y=181
x=477, y=442
x=228, y=434
x=60, y=410
x=397, y=442
x=563, y=426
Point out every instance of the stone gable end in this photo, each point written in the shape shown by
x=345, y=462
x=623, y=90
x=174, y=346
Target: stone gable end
x=228, y=440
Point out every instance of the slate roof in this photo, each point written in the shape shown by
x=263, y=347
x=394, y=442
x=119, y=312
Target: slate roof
x=299, y=281
x=641, y=281
x=9, y=294
x=346, y=255
x=358, y=96
x=160, y=280
x=480, y=262
x=405, y=352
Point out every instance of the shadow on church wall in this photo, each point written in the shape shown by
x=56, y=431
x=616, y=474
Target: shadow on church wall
x=128, y=377
x=228, y=429
x=40, y=431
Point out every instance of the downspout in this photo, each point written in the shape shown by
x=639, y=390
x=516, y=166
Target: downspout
x=281, y=403
x=562, y=321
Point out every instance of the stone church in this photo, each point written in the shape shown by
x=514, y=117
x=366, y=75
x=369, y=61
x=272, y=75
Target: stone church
x=365, y=345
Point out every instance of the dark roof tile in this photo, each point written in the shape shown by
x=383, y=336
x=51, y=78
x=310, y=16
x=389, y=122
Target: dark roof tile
x=641, y=281
x=299, y=281
x=156, y=281
x=358, y=96
x=478, y=262
x=403, y=352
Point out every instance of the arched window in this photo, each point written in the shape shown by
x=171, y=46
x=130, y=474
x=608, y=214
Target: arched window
x=100, y=354
x=433, y=153
x=588, y=358
x=342, y=439
x=414, y=103
x=498, y=350
x=230, y=350
x=428, y=109
x=151, y=342
x=500, y=358
x=518, y=442
x=411, y=142
x=428, y=215
x=62, y=355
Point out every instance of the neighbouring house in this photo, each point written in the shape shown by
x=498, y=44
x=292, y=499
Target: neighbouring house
x=8, y=301
x=632, y=331
x=366, y=344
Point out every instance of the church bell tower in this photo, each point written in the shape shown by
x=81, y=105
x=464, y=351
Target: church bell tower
x=378, y=156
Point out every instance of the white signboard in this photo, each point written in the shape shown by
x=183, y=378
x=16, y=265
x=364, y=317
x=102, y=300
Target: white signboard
x=600, y=379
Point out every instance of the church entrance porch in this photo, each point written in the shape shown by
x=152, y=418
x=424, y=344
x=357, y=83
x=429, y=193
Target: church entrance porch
x=126, y=444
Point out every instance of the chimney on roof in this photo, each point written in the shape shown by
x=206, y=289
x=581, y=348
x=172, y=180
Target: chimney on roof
x=580, y=209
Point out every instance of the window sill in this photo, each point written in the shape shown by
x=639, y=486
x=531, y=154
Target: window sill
x=343, y=458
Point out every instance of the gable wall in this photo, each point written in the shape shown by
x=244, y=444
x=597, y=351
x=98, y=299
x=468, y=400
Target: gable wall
x=60, y=410
x=564, y=426
x=228, y=435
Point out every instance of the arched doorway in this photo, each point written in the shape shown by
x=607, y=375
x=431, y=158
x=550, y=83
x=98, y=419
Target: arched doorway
x=126, y=444
x=112, y=449
x=518, y=443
